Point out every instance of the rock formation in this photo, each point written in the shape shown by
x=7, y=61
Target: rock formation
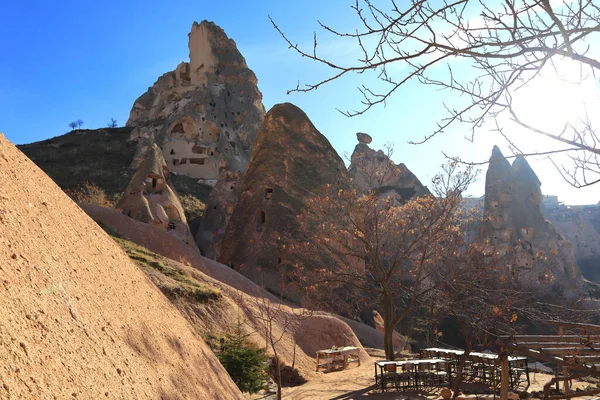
x=514, y=221
x=290, y=161
x=576, y=225
x=400, y=342
x=149, y=197
x=372, y=169
x=204, y=116
x=79, y=319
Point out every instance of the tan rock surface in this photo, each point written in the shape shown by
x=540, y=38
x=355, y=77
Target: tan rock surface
x=79, y=319
x=204, y=116
x=150, y=198
x=291, y=161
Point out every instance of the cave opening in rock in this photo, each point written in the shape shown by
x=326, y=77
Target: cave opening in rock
x=199, y=150
x=178, y=128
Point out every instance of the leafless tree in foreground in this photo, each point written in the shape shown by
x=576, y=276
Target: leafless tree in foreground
x=274, y=320
x=503, y=46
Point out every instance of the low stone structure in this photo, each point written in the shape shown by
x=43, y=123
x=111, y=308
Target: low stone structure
x=149, y=197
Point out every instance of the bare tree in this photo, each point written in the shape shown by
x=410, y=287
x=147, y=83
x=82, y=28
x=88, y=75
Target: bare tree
x=502, y=47
x=275, y=320
x=112, y=123
x=79, y=123
x=383, y=251
x=73, y=125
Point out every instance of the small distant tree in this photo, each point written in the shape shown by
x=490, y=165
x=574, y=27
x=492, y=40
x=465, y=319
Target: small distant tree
x=112, y=123
x=245, y=362
x=79, y=123
x=73, y=125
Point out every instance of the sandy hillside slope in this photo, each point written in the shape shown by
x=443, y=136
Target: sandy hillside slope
x=303, y=336
x=78, y=318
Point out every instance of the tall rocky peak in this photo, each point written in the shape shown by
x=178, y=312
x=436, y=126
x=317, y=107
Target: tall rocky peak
x=204, y=116
x=291, y=161
x=513, y=219
x=374, y=170
x=151, y=199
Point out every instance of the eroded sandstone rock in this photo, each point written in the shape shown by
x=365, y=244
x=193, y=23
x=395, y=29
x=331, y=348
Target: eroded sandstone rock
x=514, y=222
x=150, y=198
x=364, y=138
x=291, y=161
x=374, y=170
x=204, y=116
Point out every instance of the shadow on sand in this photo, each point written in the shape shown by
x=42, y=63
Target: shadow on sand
x=369, y=393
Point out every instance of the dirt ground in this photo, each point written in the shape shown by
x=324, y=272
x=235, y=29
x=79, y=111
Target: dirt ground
x=359, y=383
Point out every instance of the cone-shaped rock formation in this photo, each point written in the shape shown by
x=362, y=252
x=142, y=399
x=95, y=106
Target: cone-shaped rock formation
x=79, y=319
x=150, y=198
x=514, y=221
x=291, y=161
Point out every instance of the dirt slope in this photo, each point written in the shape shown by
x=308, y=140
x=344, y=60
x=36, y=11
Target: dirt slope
x=241, y=297
x=79, y=319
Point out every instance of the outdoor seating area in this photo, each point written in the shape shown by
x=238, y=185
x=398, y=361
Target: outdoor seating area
x=337, y=358
x=437, y=367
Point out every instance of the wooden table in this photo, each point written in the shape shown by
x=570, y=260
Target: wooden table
x=337, y=356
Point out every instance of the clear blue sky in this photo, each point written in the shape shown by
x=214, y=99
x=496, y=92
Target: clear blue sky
x=65, y=60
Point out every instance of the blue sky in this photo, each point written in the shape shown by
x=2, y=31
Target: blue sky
x=65, y=60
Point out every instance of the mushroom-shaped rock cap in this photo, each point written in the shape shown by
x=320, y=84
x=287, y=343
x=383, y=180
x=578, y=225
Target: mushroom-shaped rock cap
x=364, y=138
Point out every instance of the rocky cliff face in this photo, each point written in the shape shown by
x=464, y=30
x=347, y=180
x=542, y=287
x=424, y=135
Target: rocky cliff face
x=290, y=161
x=372, y=169
x=204, y=116
x=577, y=226
x=151, y=199
x=514, y=221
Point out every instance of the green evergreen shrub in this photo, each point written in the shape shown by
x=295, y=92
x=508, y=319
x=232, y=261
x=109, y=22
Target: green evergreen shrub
x=245, y=362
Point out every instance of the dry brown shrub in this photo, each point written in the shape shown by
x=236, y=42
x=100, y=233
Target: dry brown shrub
x=89, y=193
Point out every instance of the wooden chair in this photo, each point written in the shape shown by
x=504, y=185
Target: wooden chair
x=518, y=372
x=478, y=369
x=440, y=374
x=407, y=377
x=425, y=376
x=390, y=375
